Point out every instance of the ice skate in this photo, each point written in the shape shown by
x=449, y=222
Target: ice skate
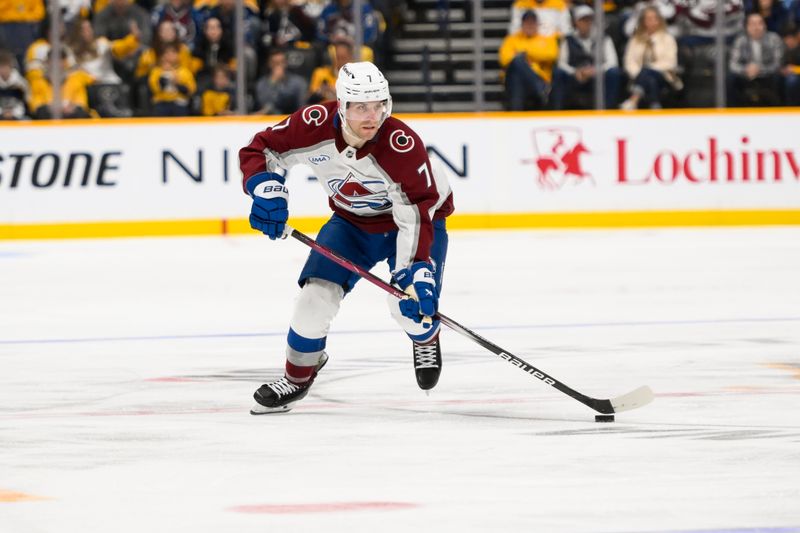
x=427, y=364
x=280, y=395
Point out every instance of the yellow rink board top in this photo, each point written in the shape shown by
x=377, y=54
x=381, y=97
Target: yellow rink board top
x=508, y=221
x=149, y=121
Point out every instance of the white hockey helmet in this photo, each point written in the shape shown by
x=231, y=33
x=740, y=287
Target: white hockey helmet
x=362, y=82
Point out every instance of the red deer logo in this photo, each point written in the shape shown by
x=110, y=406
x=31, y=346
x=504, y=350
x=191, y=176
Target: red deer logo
x=557, y=158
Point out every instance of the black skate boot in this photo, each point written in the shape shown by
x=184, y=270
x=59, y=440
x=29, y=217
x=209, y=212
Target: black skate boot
x=427, y=364
x=280, y=395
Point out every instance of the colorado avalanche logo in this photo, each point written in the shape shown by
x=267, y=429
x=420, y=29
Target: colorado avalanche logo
x=315, y=114
x=401, y=142
x=351, y=193
x=557, y=158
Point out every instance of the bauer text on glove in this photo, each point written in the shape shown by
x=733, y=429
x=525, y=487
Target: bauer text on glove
x=270, y=208
x=419, y=283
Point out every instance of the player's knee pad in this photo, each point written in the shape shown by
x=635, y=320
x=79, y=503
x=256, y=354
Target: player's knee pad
x=417, y=332
x=315, y=308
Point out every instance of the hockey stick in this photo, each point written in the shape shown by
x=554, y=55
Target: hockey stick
x=636, y=398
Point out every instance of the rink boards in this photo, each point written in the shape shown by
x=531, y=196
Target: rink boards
x=507, y=170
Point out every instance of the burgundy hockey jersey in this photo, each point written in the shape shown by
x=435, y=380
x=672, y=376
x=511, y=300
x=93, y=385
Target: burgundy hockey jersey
x=388, y=184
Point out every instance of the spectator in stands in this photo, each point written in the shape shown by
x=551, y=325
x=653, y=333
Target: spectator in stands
x=166, y=34
x=313, y=8
x=793, y=9
x=225, y=11
x=614, y=14
x=651, y=62
x=39, y=51
x=389, y=14
x=286, y=24
x=337, y=17
x=700, y=21
x=212, y=50
x=72, y=10
x=774, y=12
x=96, y=5
x=754, y=67
x=19, y=25
x=323, y=79
x=279, y=92
x=114, y=21
x=527, y=58
x=94, y=54
x=171, y=85
x=553, y=16
x=14, y=89
x=148, y=5
x=367, y=53
x=37, y=59
x=187, y=19
x=791, y=68
x=218, y=100
x=73, y=99
x=668, y=10
x=204, y=7
x=575, y=74
x=290, y=27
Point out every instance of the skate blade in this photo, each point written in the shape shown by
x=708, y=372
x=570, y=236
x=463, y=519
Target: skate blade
x=259, y=409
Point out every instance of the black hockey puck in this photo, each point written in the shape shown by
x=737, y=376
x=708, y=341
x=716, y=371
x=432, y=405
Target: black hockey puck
x=603, y=418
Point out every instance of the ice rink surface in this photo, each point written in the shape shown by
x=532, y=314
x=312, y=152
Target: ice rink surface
x=127, y=368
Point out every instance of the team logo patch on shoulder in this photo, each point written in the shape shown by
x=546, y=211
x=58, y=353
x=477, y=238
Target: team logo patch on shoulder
x=401, y=142
x=315, y=114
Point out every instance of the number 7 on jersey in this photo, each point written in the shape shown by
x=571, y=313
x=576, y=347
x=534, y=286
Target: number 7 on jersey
x=423, y=169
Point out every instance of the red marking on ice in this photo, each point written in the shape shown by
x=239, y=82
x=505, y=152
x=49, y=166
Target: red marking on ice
x=167, y=412
x=333, y=507
x=482, y=401
x=137, y=412
x=171, y=380
x=731, y=390
x=682, y=394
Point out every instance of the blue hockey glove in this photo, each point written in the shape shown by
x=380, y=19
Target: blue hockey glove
x=270, y=208
x=418, y=282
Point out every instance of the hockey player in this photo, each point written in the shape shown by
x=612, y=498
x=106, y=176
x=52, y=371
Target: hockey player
x=389, y=203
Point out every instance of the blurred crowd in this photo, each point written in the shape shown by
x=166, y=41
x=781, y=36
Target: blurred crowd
x=653, y=53
x=124, y=58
